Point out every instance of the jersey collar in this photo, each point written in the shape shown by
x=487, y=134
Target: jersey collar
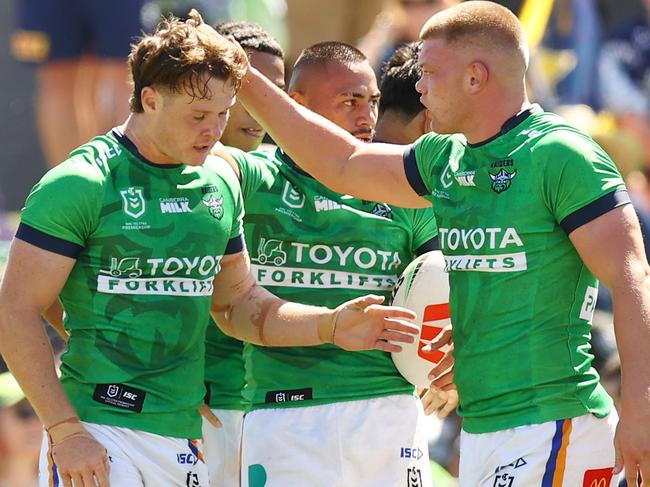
x=509, y=124
x=130, y=146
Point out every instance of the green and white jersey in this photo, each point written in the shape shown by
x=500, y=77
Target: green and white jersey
x=224, y=371
x=148, y=240
x=312, y=245
x=522, y=300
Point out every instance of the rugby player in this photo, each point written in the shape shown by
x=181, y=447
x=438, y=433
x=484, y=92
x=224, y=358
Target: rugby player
x=530, y=212
x=315, y=409
x=224, y=361
x=130, y=233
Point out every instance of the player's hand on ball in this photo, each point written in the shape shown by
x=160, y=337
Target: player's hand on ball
x=364, y=324
x=81, y=461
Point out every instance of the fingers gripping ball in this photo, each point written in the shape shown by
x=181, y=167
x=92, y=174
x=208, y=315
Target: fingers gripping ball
x=423, y=288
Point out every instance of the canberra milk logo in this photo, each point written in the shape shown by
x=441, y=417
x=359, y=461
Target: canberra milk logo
x=133, y=199
x=465, y=178
x=502, y=180
x=497, y=241
x=321, y=203
x=175, y=205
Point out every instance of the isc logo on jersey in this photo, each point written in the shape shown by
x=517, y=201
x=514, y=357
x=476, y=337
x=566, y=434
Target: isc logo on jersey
x=423, y=288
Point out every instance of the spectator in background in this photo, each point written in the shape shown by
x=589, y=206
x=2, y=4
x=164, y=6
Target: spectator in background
x=20, y=436
x=82, y=82
x=398, y=23
x=624, y=71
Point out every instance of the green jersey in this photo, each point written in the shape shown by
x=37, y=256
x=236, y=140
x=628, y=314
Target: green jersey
x=148, y=240
x=522, y=299
x=312, y=245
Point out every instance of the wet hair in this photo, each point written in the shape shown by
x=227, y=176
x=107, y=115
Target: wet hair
x=183, y=56
x=251, y=36
x=400, y=73
x=479, y=23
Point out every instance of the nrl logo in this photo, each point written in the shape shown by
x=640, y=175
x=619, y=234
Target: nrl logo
x=214, y=204
x=133, y=198
x=502, y=180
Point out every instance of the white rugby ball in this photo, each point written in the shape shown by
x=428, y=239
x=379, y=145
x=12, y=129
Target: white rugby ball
x=423, y=288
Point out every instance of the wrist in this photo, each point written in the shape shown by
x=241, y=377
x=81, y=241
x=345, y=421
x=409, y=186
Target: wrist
x=61, y=431
x=327, y=324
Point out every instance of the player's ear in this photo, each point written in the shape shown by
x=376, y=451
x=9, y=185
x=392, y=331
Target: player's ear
x=477, y=77
x=149, y=97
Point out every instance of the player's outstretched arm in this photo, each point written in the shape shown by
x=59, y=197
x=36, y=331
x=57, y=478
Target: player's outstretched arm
x=250, y=313
x=612, y=247
x=330, y=154
x=32, y=282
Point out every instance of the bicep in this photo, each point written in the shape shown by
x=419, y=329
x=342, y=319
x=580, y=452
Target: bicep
x=34, y=277
x=376, y=172
x=611, y=245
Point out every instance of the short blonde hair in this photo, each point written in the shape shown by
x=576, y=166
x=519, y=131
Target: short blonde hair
x=183, y=56
x=480, y=23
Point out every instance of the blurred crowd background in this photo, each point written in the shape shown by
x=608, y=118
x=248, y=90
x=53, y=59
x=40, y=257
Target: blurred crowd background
x=590, y=62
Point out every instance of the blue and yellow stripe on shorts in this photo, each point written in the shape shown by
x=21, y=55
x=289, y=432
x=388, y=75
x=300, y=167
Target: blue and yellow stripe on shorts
x=556, y=463
x=52, y=470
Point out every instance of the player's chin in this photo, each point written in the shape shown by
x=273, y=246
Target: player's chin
x=198, y=155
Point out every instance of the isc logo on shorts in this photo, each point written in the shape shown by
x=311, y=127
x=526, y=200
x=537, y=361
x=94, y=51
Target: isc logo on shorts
x=187, y=458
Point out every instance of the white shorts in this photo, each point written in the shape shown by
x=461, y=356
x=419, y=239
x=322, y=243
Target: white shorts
x=138, y=458
x=222, y=448
x=577, y=452
x=367, y=443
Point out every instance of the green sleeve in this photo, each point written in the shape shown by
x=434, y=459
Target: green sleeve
x=578, y=173
x=425, y=160
x=66, y=202
x=252, y=169
x=424, y=227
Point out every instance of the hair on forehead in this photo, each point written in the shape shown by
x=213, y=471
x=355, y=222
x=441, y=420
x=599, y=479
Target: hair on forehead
x=183, y=56
x=251, y=36
x=328, y=51
x=480, y=23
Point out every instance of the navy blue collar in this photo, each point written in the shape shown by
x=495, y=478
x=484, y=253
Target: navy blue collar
x=509, y=124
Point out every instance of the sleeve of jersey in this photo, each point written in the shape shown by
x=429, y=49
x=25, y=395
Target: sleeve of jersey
x=419, y=161
x=61, y=210
x=582, y=182
x=425, y=231
x=251, y=170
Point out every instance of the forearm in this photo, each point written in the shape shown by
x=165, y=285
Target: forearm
x=261, y=318
x=631, y=297
x=316, y=144
x=27, y=351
